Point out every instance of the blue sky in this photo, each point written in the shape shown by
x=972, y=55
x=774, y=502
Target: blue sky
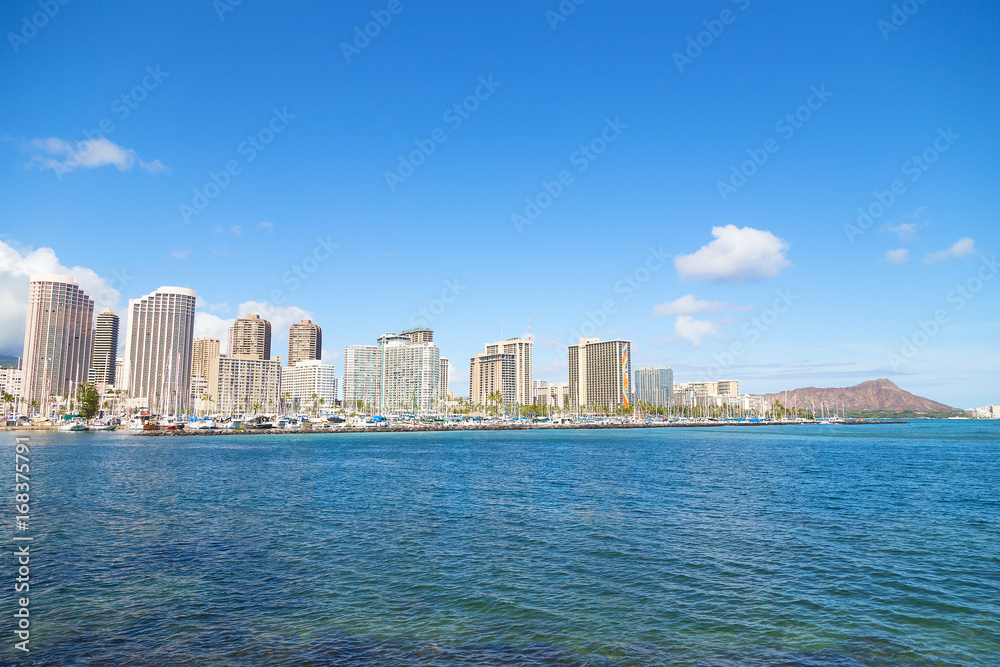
x=202, y=83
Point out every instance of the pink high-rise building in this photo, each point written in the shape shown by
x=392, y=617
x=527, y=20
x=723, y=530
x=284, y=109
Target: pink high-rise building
x=58, y=339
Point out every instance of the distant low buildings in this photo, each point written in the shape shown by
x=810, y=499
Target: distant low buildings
x=989, y=412
x=550, y=395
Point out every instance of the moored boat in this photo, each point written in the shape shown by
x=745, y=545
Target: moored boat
x=73, y=423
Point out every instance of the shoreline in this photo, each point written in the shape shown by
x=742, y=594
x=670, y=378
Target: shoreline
x=440, y=429
x=491, y=427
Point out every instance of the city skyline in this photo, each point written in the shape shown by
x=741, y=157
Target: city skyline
x=819, y=223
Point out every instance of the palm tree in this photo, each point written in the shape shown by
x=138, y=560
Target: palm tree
x=496, y=398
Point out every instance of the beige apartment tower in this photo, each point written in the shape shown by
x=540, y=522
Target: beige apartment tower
x=250, y=336
x=521, y=350
x=599, y=374
x=421, y=335
x=489, y=373
x=205, y=351
x=305, y=342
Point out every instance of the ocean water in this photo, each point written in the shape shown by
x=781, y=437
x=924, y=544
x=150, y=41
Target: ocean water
x=771, y=546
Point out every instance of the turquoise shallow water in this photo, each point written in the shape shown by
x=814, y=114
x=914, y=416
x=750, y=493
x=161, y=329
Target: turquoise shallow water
x=776, y=546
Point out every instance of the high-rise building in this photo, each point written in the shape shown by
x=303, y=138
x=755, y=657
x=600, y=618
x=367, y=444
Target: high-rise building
x=120, y=383
x=305, y=342
x=105, y=356
x=250, y=335
x=58, y=339
x=490, y=373
x=245, y=384
x=521, y=349
x=361, y=376
x=409, y=378
x=443, y=379
x=600, y=373
x=202, y=399
x=12, y=382
x=395, y=375
x=419, y=335
x=654, y=386
x=203, y=353
x=159, y=341
x=309, y=385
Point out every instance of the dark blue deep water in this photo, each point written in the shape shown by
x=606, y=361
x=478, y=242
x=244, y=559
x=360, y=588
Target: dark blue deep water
x=777, y=546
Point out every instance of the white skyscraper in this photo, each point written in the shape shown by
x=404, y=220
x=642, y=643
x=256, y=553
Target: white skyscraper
x=361, y=375
x=397, y=375
x=305, y=379
x=654, y=386
x=158, y=349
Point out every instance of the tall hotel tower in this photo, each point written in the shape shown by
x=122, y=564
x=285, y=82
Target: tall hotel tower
x=305, y=342
x=105, y=356
x=250, y=335
x=158, y=349
x=599, y=374
x=58, y=338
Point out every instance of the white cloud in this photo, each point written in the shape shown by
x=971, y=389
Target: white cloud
x=897, y=256
x=212, y=307
x=906, y=231
x=959, y=249
x=236, y=230
x=16, y=266
x=207, y=325
x=64, y=156
x=736, y=254
x=456, y=376
x=693, y=330
x=689, y=304
x=266, y=226
x=180, y=253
